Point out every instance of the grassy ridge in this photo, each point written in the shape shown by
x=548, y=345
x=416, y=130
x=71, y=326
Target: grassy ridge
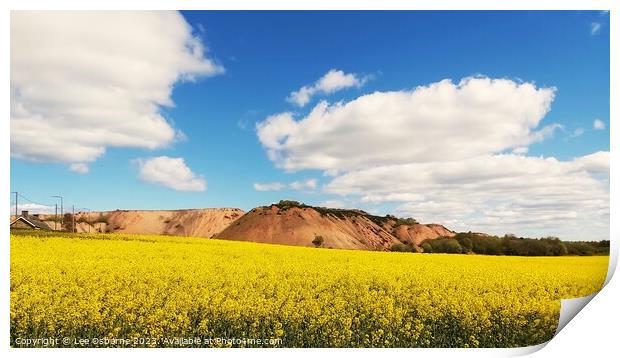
x=127, y=286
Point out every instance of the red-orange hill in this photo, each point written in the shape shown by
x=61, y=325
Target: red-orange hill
x=342, y=229
x=298, y=225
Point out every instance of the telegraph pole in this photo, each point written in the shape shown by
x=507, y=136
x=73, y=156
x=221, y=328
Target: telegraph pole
x=55, y=215
x=16, y=193
x=73, y=218
x=61, y=211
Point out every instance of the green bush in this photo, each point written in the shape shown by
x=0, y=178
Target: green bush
x=516, y=246
x=405, y=221
x=402, y=248
x=445, y=245
x=67, y=222
x=580, y=248
x=318, y=241
x=466, y=244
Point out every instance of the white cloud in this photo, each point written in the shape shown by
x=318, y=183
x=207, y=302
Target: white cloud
x=85, y=81
x=441, y=121
x=268, y=186
x=495, y=193
x=595, y=28
x=33, y=209
x=172, y=173
x=332, y=81
x=546, y=132
x=390, y=198
x=598, y=125
x=448, y=213
x=437, y=153
x=337, y=204
x=596, y=163
x=576, y=133
x=309, y=184
x=79, y=168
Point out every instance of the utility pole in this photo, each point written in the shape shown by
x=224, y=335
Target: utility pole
x=73, y=217
x=61, y=211
x=55, y=216
x=16, y=193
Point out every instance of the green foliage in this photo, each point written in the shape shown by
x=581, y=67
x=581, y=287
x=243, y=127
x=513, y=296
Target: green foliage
x=67, y=222
x=338, y=213
x=402, y=248
x=587, y=248
x=345, y=213
x=515, y=246
x=405, y=221
x=379, y=220
x=580, y=248
x=466, y=244
x=318, y=241
x=446, y=245
x=427, y=248
x=287, y=204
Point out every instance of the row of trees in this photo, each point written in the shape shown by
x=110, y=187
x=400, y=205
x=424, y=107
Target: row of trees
x=463, y=243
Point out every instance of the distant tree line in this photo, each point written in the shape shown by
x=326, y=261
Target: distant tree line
x=465, y=243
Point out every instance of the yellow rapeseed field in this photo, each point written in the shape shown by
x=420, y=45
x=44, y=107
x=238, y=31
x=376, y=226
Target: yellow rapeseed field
x=151, y=290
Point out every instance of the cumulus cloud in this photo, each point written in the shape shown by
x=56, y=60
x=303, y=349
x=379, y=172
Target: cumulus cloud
x=269, y=186
x=171, y=173
x=337, y=204
x=332, y=81
x=439, y=153
x=576, y=133
x=378, y=198
x=596, y=163
x=497, y=193
x=33, y=209
x=598, y=125
x=79, y=168
x=85, y=81
x=309, y=184
x=441, y=121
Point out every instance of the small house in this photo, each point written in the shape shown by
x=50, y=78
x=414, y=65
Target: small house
x=25, y=221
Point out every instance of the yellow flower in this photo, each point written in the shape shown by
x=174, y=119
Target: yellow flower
x=145, y=286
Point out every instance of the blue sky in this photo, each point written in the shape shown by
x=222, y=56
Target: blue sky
x=267, y=55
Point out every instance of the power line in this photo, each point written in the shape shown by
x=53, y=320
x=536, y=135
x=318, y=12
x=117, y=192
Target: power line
x=55, y=206
x=61, y=208
x=19, y=195
x=32, y=201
